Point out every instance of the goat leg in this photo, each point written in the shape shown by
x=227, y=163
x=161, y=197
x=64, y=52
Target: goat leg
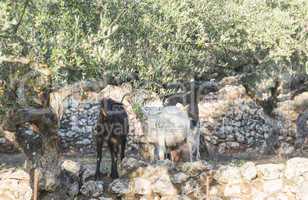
x=113, y=154
x=123, y=144
x=99, y=146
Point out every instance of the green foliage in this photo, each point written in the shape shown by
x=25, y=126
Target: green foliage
x=137, y=109
x=163, y=40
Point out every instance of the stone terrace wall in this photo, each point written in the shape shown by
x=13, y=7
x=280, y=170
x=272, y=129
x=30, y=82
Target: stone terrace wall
x=77, y=124
x=284, y=181
x=188, y=181
x=232, y=122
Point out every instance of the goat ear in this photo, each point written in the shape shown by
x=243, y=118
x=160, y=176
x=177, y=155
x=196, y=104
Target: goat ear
x=103, y=112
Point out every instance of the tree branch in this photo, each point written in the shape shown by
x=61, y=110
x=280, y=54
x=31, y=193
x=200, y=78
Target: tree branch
x=22, y=16
x=40, y=117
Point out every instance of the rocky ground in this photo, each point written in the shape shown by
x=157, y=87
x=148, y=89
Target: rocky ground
x=233, y=180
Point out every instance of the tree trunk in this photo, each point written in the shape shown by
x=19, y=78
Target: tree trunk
x=36, y=133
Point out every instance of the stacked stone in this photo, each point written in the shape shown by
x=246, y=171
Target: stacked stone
x=265, y=181
x=77, y=125
x=165, y=180
x=236, y=122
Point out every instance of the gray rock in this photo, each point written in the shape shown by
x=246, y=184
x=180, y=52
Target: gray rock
x=179, y=178
x=221, y=134
x=190, y=187
x=250, y=141
x=130, y=163
x=120, y=186
x=2, y=140
x=92, y=188
x=89, y=128
x=71, y=167
x=74, y=118
x=85, y=142
x=88, y=172
x=73, y=189
x=222, y=148
x=233, y=145
x=240, y=137
x=230, y=137
x=286, y=149
x=76, y=128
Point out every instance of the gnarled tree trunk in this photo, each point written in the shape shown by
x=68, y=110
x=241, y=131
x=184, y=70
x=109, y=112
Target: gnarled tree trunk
x=39, y=145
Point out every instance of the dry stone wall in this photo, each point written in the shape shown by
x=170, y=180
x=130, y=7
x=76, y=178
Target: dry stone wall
x=231, y=122
x=77, y=125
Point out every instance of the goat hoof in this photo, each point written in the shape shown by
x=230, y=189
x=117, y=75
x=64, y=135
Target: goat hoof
x=97, y=176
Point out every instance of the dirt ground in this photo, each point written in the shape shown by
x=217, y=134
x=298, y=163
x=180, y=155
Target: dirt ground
x=18, y=159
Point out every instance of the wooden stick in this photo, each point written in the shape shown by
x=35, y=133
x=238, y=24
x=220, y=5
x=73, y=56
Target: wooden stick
x=35, y=184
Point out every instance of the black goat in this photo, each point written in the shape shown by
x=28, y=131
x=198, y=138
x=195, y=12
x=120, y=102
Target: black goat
x=112, y=128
